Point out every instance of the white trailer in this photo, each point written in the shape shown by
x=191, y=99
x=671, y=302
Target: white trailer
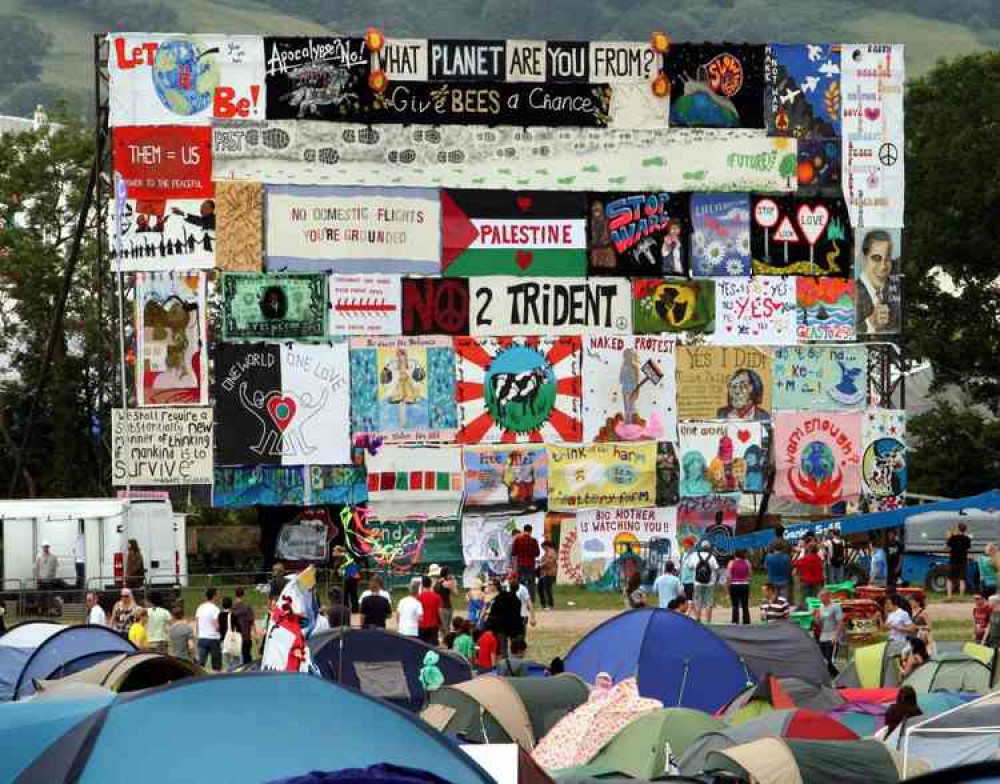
x=107, y=524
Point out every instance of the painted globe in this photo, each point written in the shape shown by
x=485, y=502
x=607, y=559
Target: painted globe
x=184, y=77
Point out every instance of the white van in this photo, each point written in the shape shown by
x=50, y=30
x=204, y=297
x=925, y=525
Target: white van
x=107, y=524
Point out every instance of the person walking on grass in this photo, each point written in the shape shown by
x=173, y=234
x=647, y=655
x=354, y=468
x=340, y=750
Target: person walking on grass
x=375, y=606
x=157, y=623
x=209, y=637
x=430, y=620
x=837, y=556
x=958, y=544
x=739, y=571
x=830, y=617
x=809, y=568
x=243, y=620
x=410, y=611
x=180, y=635
x=778, y=564
x=635, y=597
x=95, y=613
x=548, y=567
x=446, y=587
x=668, y=585
x=524, y=551
x=123, y=613
x=706, y=569
x=988, y=571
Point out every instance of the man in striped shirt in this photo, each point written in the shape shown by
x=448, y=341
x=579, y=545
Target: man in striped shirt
x=774, y=607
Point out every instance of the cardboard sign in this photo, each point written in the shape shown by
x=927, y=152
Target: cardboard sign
x=164, y=162
x=281, y=404
x=665, y=305
x=820, y=378
x=722, y=457
x=597, y=476
x=435, y=306
x=365, y=305
x=273, y=307
x=403, y=389
x=723, y=383
x=316, y=78
x=184, y=79
x=755, y=311
x=817, y=456
x=637, y=234
x=354, y=230
x=551, y=306
x=164, y=235
x=630, y=392
x=162, y=446
x=519, y=389
x=826, y=309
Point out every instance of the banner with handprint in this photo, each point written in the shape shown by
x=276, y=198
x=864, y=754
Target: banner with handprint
x=281, y=404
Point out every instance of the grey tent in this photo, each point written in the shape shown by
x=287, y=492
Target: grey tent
x=780, y=649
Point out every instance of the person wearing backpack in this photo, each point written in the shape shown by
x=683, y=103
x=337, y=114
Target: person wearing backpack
x=838, y=556
x=705, y=567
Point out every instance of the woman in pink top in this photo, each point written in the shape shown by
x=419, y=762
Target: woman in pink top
x=739, y=585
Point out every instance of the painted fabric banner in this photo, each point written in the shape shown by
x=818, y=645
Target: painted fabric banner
x=407, y=481
x=306, y=538
x=506, y=476
x=820, y=378
x=342, y=485
x=172, y=329
x=408, y=543
x=353, y=230
x=630, y=392
x=365, y=305
x=164, y=235
x=486, y=540
x=879, y=290
x=716, y=85
x=802, y=92
x=720, y=243
x=402, y=389
x=673, y=306
x=755, y=311
x=818, y=172
x=602, y=476
x=519, y=389
x=320, y=78
x=568, y=159
x=817, y=456
x=240, y=212
x=273, y=307
x=281, y=404
x=239, y=487
x=826, y=309
x=883, y=464
x=513, y=233
x=644, y=233
x=707, y=517
x=606, y=535
x=184, y=79
x=570, y=569
x=164, y=162
x=668, y=474
x=551, y=306
x=871, y=81
x=720, y=457
x=723, y=383
x=435, y=306
x=162, y=446
x=793, y=236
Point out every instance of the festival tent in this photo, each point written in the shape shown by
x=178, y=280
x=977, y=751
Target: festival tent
x=676, y=660
x=292, y=735
x=56, y=653
x=773, y=694
x=382, y=664
x=867, y=718
x=577, y=738
x=872, y=667
x=779, y=761
x=783, y=650
x=507, y=762
x=799, y=724
x=645, y=748
x=128, y=672
x=965, y=734
x=950, y=672
x=16, y=647
x=491, y=709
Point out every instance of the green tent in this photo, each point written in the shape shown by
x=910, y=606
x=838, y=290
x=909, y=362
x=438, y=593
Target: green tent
x=950, y=672
x=872, y=667
x=778, y=761
x=640, y=749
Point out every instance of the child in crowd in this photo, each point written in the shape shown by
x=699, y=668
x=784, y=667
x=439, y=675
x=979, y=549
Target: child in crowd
x=487, y=650
x=462, y=639
x=980, y=618
x=476, y=601
x=137, y=631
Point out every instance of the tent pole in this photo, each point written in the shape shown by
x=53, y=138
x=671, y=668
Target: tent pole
x=680, y=696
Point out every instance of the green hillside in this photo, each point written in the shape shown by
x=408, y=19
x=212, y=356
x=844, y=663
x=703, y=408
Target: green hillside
x=68, y=67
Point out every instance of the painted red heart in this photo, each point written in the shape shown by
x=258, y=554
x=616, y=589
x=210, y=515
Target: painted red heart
x=524, y=259
x=872, y=113
x=282, y=410
x=524, y=203
x=743, y=436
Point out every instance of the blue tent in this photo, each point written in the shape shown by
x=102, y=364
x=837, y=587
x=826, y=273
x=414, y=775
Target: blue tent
x=69, y=650
x=16, y=647
x=677, y=660
x=286, y=725
x=382, y=664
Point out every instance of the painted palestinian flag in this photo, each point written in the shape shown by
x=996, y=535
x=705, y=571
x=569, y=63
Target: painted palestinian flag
x=281, y=404
x=516, y=390
x=537, y=233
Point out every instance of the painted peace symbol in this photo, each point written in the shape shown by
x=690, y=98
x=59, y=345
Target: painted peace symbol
x=452, y=302
x=888, y=154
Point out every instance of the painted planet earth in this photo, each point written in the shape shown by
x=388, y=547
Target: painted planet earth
x=184, y=77
x=817, y=461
